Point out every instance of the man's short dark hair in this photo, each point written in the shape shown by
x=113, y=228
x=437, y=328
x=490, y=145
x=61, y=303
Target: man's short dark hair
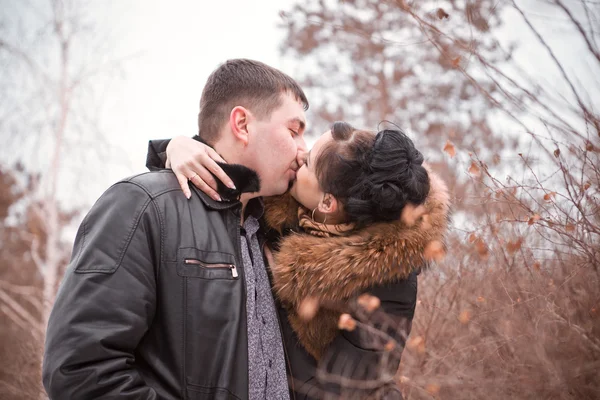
x=246, y=83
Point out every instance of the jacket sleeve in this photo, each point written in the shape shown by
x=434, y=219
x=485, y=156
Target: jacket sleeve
x=106, y=301
x=157, y=154
x=360, y=356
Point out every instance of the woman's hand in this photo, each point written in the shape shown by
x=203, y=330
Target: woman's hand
x=193, y=161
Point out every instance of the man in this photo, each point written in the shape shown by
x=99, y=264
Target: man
x=169, y=298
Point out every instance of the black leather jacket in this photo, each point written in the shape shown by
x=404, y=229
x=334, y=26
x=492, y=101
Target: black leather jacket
x=153, y=303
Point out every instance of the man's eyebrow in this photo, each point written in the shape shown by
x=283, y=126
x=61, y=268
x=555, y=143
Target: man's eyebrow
x=297, y=121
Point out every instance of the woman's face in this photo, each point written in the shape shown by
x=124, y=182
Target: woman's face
x=306, y=189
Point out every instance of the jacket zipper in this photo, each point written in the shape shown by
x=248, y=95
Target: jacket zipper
x=234, y=272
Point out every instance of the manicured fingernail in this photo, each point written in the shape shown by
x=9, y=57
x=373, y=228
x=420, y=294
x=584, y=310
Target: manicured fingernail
x=217, y=197
x=231, y=185
x=188, y=195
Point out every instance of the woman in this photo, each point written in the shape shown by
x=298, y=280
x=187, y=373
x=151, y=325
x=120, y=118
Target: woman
x=339, y=234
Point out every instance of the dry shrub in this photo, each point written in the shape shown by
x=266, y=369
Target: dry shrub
x=20, y=366
x=497, y=333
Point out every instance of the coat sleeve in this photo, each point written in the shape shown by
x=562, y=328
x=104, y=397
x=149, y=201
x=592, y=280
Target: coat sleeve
x=106, y=301
x=157, y=154
x=156, y=158
x=361, y=357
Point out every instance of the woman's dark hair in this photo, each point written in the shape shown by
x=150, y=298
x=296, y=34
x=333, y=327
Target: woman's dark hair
x=373, y=175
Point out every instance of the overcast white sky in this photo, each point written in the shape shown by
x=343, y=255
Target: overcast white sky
x=174, y=45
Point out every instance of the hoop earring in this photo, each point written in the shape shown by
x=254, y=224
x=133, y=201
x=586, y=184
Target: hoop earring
x=312, y=216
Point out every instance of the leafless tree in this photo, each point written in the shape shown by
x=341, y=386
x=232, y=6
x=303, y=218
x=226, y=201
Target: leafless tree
x=513, y=311
x=58, y=63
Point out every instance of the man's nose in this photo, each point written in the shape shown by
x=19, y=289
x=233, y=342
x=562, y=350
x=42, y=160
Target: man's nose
x=302, y=152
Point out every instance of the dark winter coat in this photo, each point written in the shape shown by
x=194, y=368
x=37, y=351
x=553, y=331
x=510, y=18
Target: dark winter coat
x=153, y=303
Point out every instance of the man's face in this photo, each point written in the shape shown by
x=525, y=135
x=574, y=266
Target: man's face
x=276, y=144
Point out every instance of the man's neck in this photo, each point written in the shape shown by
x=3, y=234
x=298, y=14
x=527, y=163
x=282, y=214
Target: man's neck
x=244, y=199
x=227, y=151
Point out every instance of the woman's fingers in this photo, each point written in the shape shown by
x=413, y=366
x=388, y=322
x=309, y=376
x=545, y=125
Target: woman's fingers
x=196, y=162
x=183, y=182
x=202, y=185
x=214, y=155
x=199, y=167
x=186, y=174
x=215, y=169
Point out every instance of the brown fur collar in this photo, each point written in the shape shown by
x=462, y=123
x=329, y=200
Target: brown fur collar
x=334, y=269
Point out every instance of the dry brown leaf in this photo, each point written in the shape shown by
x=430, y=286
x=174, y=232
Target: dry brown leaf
x=481, y=248
x=450, y=149
x=415, y=342
x=549, y=196
x=534, y=218
x=556, y=153
x=537, y=265
x=434, y=251
x=464, y=317
x=442, y=14
x=472, y=238
x=589, y=146
x=474, y=169
x=308, y=308
x=513, y=247
x=433, y=389
x=346, y=322
x=411, y=213
x=569, y=227
x=368, y=302
x=586, y=186
x=389, y=346
x=456, y=62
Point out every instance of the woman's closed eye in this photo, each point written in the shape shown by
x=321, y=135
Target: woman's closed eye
x=295, y=133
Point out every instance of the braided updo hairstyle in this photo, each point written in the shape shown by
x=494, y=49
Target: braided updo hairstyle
x=373, y=175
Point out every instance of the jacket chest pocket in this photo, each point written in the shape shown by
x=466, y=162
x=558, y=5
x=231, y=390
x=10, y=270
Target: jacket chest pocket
x=195, y=263
x=213, y=318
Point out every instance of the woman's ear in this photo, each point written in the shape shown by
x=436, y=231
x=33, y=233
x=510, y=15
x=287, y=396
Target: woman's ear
x=238, y=121
x=328, y=204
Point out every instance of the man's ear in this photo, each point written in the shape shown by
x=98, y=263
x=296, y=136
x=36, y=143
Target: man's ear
x=328, y=205
x=238, y=121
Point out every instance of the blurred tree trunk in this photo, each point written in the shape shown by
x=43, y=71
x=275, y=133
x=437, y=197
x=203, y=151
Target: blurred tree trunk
x=56, y=60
